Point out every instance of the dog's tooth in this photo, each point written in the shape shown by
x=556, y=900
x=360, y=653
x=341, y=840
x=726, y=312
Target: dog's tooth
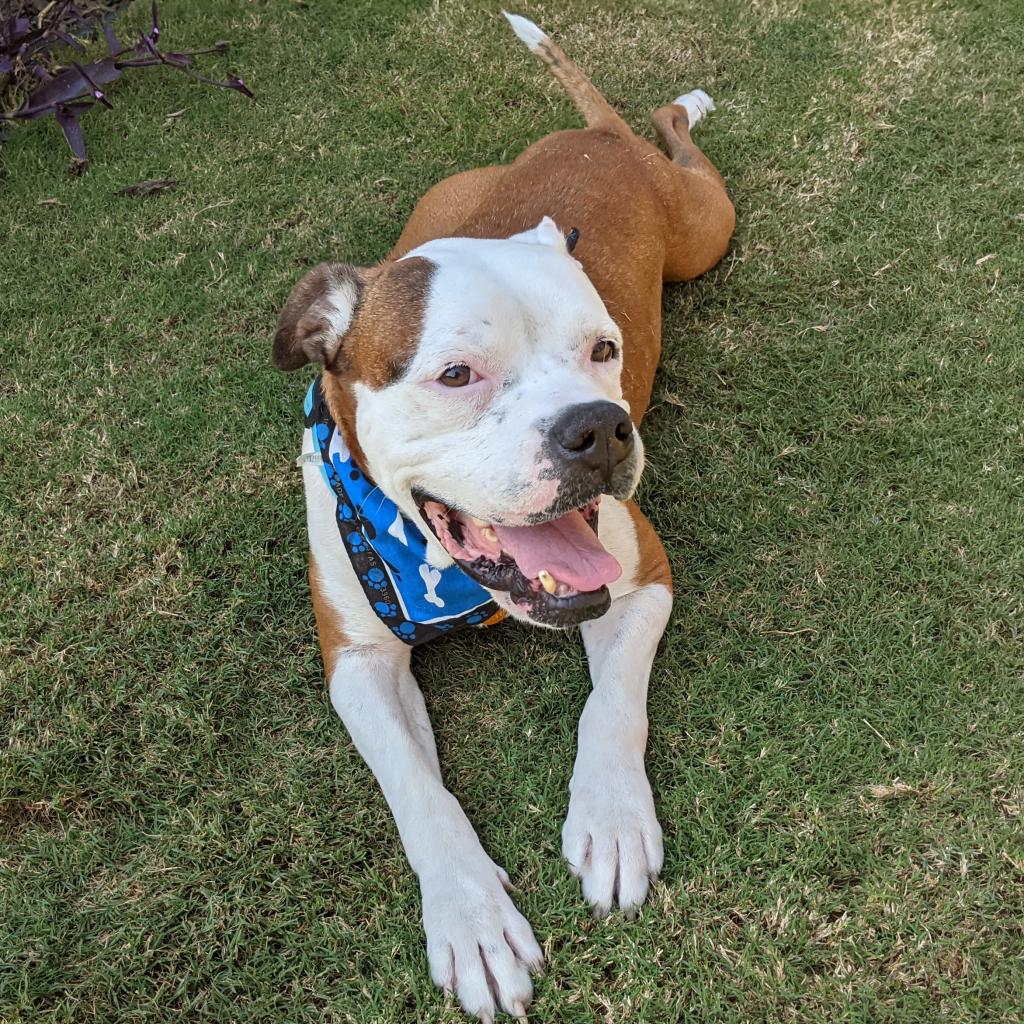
x=547, y=581
x=488, y=534
x=479, y=522
x=564, y=590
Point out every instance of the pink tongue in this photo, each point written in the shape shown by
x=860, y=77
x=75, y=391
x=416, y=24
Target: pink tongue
x=566, y=547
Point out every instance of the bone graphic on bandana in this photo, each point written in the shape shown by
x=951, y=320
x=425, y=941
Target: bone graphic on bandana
x=431, y=577
x=397, y=530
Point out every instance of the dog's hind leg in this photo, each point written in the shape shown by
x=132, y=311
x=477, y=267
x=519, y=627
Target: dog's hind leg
x=674, y=121
x=702, y=208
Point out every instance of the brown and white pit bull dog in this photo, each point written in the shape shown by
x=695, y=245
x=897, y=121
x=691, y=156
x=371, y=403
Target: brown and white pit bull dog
x=471, y=449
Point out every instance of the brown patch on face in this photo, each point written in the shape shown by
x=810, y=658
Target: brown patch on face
x=328, y=622
x=383, y=338
x=652, y=562
x=341, y=401
x=387, y=327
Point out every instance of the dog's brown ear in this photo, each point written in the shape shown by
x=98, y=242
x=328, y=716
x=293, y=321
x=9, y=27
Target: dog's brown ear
x=318, y=313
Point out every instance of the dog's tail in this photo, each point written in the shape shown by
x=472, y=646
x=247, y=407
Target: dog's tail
x=596, y=110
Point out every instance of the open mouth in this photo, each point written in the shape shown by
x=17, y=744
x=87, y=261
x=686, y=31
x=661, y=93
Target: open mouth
x=556, y=572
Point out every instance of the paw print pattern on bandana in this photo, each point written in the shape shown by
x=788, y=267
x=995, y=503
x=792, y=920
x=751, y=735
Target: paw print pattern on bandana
x=416, y=601
x=376, y=579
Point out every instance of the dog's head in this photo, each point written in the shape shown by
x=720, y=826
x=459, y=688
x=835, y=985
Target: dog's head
x=479, y=383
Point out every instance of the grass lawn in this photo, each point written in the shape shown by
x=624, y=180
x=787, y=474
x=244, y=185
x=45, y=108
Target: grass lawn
x=836, y=465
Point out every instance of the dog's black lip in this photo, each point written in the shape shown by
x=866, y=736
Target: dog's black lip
x=564, y=612
x=504, y=575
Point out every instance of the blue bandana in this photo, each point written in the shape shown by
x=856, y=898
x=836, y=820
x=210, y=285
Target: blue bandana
x=415, y=600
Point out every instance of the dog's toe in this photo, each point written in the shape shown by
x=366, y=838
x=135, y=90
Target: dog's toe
x=491, y=978
x=634, y=875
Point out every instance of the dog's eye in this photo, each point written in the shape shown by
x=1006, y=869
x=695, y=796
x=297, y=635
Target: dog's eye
x=457, y=376
x=604, y=351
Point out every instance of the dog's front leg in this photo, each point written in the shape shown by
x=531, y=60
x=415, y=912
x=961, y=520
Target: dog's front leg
x=611, y=838
x=478, y=943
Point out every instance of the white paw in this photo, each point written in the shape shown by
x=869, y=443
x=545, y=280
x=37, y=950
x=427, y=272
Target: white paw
x=611, y=837
x=698, y=105
x=479, y=946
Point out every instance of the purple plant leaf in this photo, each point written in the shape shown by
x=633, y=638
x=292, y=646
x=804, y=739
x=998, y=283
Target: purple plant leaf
x=232, y=82
x=98, y=94
x=113, y=43
x=29, y=37
x=178, y=60
x=22, y=42
x=220, y=47
x=148, y=44
x=69, y=85
x=103, y=71
x=140, y=62
x=68, y=117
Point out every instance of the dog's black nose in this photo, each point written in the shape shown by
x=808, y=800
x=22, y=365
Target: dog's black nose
x=595, y=436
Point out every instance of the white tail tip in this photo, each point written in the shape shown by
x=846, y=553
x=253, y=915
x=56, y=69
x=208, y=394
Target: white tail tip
x=527, y=31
